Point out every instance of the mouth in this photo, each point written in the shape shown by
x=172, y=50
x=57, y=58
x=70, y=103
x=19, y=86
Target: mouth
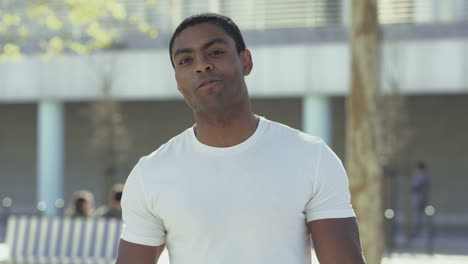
x=206, y=83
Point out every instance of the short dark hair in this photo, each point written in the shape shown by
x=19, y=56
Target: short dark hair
x=116, y=192
x=78, y=203
x=118, y=196
x=421, y=165
x=222, y=21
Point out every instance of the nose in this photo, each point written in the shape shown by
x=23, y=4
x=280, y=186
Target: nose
x=203, y=66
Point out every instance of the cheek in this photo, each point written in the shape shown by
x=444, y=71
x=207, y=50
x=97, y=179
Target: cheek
x=184, y=82
x=233, y=70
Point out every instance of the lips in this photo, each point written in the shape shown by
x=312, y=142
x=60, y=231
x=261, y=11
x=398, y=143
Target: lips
x=206, y=82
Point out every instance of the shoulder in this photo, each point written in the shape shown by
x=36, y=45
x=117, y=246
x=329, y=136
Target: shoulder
x=161, y=163
x=168, y=151
x=300, y=150
x=294, y=138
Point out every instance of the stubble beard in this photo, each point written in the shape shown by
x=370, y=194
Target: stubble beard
x=221, y=105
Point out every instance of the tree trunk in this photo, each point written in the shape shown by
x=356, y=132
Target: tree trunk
x=109, y=136
x=361, y=135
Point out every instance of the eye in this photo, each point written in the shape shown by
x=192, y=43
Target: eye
x=185, y=60
x=216, y=52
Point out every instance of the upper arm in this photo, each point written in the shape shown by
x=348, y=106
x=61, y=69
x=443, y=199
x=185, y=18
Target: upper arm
x=142, y=224
x=329, y=214
x=336, y=240
x=143, y=236
x=329, y=197
x=135, y=253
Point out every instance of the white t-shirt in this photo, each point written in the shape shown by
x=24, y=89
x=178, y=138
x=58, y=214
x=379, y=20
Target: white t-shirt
x=244, y=204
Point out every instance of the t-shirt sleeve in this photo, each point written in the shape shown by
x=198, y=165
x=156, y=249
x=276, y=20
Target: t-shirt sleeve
x=141, y=224
x=330, y=188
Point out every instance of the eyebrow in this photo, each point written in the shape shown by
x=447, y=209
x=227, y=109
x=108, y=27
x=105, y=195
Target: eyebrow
x=205, y=46
x=214, y=41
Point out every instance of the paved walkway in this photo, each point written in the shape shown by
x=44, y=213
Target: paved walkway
x=403, y=258
x=441, y=244
x=424, y=259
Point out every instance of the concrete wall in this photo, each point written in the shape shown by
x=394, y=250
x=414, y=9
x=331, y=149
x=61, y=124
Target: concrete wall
x=439, y=126
x=441, y=139
x=18, y=153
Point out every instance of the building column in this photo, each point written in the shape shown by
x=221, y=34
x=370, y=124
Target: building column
x=316, y=117
x=50, y=127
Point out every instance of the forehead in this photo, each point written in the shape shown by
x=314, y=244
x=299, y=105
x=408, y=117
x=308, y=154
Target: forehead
x=197, y=35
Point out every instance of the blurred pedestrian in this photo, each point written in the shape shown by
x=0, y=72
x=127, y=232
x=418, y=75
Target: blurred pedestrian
x=113, y=208
x=419, y=197
x=81, y=204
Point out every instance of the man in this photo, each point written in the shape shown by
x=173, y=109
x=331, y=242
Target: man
x=235, y=187
x=419, y=196
x=113, y=209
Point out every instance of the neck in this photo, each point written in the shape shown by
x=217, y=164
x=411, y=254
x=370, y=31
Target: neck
x=227, y=128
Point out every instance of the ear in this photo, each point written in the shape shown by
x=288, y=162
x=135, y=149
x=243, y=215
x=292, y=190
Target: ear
x=247, y=62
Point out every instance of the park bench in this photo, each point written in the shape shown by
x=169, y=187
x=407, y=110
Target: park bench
x=34, y=239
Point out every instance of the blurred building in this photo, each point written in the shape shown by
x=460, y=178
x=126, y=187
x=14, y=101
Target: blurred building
x=300, y=77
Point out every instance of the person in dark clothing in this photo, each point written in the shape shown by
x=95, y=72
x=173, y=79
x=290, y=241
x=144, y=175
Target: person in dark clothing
x=113, y=209
x=81, y=204
x=419, y=196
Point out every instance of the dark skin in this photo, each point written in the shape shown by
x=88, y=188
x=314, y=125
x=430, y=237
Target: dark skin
x=210, y=75
x=221, y=108
x=336, y=241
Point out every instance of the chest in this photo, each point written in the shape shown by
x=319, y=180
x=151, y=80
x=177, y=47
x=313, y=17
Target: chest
x=225, y=194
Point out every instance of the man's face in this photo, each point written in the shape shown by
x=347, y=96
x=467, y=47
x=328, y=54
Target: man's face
x=208, y=69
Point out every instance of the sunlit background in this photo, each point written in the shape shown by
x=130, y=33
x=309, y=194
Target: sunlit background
x=86, y=88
